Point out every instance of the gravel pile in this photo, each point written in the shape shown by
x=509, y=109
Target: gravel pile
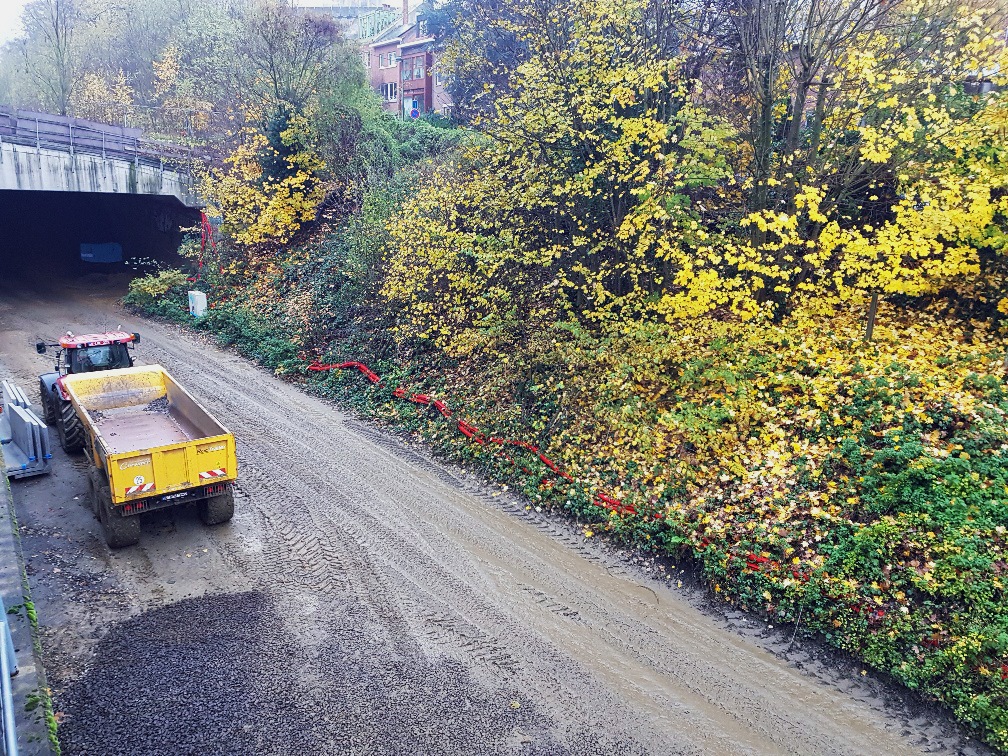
x=220, y=675
x=158, y=405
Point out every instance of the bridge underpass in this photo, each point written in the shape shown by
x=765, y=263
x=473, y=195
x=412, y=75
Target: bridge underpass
x=65, y=182
x=41, y=232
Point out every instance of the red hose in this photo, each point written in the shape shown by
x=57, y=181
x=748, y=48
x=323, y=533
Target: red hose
x=473, y=433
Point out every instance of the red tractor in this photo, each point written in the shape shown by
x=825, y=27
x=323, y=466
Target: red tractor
x=80, y=354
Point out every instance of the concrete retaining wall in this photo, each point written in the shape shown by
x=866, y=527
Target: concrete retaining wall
x=44, y=169
x=29, y=687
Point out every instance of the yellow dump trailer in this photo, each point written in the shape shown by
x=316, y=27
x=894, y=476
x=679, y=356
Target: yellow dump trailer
x=153, y=446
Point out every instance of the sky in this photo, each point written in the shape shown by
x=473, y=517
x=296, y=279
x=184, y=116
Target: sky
x=10, y=15
x=10, y=19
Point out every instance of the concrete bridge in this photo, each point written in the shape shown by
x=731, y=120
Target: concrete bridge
x=50, y=153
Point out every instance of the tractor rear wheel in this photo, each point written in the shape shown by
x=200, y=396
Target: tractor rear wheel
x=71, y=432
x=217, y=509
x=119, y=530
x=48, y=408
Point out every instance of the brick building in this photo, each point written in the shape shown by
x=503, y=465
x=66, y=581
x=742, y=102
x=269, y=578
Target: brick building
x=401, y=65
x=398, y=55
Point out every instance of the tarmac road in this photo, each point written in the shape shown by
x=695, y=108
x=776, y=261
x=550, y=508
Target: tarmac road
x=368, y=600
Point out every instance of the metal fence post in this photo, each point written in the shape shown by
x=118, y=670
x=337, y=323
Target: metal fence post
x=8, y=641
x=9, y=731
x=8, y=668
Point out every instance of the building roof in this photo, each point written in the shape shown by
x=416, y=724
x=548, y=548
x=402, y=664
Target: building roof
x=392, y=34
x=417, y=42
x=396, y=31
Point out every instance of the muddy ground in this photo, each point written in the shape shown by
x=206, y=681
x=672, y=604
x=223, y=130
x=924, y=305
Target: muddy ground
x=368, y=600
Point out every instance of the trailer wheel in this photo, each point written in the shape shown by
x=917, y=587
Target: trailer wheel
x=71, y=432
x=95, y=482
x=119, y=531
x=217, y=509
x=48, y=409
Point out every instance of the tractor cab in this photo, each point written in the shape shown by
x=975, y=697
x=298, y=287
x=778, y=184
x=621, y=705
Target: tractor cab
x=79, y=354
x=92, y=351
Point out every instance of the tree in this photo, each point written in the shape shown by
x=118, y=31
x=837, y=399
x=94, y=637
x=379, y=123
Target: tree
x=101, y=98
x=289, y=55
x=605, y=190
x=563, y=211
x=834, y=183
x=481, y=46
x=266, y=191
x=52, y=59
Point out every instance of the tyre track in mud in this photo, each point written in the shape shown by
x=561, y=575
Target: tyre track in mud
x=453, y=624
x=483, y=645
x=334, y=512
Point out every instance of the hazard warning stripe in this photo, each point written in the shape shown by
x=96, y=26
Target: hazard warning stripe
x=140, y=489
x=212, y=474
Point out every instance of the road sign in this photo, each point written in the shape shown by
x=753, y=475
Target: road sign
x=414, y=113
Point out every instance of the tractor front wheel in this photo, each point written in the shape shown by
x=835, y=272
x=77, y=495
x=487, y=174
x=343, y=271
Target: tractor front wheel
x=48, y=407
x=71, y=432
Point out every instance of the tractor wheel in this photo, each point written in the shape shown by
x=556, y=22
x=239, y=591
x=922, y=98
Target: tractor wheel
x=119, y=531
x=217, y=509
x=71, y=432
x=48, y=408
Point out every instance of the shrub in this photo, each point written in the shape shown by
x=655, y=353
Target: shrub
x=162, y=295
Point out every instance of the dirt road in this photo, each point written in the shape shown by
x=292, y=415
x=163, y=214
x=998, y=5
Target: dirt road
x=368, y=600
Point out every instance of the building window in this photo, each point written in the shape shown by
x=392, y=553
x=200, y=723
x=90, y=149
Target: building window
x=390, y=91
x=438, y=81
x=367, y=59
x=407, y=72
x=418, y=67
x=446, y=111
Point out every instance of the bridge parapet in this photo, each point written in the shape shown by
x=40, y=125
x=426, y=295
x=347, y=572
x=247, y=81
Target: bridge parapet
x=74, y=135
x=77, y=155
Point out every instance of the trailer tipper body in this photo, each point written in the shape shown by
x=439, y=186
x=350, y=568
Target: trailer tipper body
x=152, y=446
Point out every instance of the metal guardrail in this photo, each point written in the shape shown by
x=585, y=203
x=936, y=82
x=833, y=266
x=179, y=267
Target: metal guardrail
x=74, y=135
x=8, y=668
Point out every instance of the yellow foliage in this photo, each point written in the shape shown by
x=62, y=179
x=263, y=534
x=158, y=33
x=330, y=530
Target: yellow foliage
x=100, y=99
x=601, y=191
x=178, y=93
x=256, y=208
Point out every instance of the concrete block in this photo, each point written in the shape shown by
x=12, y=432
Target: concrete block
x=27, y=452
